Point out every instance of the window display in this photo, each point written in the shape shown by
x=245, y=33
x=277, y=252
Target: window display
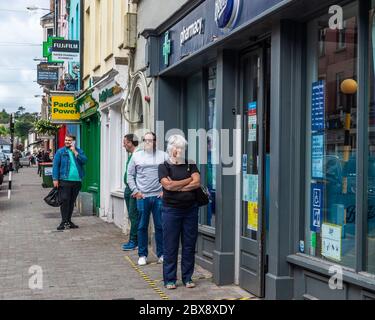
x=331, y=139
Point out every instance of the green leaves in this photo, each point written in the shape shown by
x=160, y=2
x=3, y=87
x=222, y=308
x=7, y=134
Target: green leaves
x=43, y=126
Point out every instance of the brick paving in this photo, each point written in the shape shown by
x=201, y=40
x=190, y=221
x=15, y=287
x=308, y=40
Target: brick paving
x=86, y=263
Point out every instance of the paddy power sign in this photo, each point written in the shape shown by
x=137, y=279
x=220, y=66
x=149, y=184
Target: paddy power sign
x=64, y=109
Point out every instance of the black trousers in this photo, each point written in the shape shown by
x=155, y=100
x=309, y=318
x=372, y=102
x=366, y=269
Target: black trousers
x=68, y=192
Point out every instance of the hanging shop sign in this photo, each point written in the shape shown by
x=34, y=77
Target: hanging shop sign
x=64, y=109
x=317, y=205
x=65, y=50
x=331, y=241
x=47, y=74
x=47, y=49
x=109, y=93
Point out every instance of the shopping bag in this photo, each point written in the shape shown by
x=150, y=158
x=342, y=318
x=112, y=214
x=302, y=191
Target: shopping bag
x=53, y=198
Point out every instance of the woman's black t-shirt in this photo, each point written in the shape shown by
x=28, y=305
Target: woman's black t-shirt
x=178, y=199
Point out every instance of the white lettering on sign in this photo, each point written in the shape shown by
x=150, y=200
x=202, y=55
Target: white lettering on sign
x=191, y=31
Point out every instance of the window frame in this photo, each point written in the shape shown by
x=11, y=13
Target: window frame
x=362, y=140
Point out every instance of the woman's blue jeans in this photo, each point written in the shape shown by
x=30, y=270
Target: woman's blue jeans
x=145, y=207
x=179, y=224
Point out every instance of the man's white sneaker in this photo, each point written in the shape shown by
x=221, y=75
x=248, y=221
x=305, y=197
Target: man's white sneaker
x=142, y=261
x=161, y=259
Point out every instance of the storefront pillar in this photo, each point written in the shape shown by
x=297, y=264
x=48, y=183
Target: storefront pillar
x=286, y=171
x=224, y=253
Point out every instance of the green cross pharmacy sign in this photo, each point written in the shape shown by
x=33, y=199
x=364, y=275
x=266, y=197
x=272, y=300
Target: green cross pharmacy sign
x=167, y=49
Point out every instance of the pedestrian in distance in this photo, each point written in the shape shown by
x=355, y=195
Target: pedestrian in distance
x=16, y=159
x=46, y=156
x=131, y=145
x=144, y=184
x=68, y=172
x=180, y=179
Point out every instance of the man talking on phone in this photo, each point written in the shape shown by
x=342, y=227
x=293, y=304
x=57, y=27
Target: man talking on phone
x=68, y=173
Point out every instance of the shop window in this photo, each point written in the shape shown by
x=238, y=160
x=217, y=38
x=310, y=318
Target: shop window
x=201, y=113
x=371, y=156
x=331, y=141
x=212, y=146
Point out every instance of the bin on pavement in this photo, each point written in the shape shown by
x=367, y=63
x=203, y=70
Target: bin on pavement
x=46, y=168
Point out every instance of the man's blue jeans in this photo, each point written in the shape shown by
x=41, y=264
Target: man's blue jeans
x=145, y=207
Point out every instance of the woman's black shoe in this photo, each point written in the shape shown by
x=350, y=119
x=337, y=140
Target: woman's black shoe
x=63, y=226
x=72, y=225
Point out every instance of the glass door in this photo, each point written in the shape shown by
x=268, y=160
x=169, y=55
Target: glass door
x=253, y=93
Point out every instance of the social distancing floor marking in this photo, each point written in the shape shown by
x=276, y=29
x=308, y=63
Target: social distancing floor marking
x=147, y=279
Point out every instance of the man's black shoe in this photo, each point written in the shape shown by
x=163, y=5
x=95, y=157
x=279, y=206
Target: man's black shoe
x=63, y=226
x=72, y=225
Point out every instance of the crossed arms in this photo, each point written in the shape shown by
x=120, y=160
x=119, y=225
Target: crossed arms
x=185, y=185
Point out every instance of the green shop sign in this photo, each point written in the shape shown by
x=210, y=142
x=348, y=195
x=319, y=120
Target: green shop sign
x=108, y=93
x=47, y=49
x=87, y=106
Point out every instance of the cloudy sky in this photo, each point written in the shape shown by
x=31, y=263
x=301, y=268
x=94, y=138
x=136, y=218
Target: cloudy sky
x=17, y=68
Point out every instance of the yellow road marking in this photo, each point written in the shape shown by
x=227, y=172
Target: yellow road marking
x=146, y=278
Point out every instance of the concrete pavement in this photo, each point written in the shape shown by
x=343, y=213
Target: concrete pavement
x=86, y=263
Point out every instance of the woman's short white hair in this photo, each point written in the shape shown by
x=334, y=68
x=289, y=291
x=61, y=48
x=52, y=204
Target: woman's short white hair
x=176, y=141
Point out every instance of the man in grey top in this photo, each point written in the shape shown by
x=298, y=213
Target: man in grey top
x=143, y=181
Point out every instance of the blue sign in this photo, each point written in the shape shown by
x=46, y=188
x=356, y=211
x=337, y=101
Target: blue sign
x=317, y=156
x=318, y=106
x=212, y=20
x=226, y=13
x=317, y=205
x=244, y=163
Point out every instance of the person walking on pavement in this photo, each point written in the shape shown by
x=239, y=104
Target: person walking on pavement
x=16, y=159
x=46, y=156
x=131, y=146
x=179, y=179
x=68, y=173
x=144, y=184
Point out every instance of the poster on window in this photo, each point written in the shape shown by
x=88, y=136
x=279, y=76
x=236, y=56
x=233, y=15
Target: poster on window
x=317, y=205
x=252, y=216
x=250, y=188
x=317, y=156
x=252, y=121
x=331, y=241
x=318, y=106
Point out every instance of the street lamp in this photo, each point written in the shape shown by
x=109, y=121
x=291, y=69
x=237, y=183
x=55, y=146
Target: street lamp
x=34, y=8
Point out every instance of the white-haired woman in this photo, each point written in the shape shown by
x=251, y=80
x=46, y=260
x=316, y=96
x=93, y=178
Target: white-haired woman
x=179, y=179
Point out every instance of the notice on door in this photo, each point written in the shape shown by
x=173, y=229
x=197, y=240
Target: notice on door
x=250, y=188
x=252, y=121
x=252, y=216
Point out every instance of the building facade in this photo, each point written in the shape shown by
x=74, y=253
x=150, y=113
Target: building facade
x=105, y=76
x=285, y=154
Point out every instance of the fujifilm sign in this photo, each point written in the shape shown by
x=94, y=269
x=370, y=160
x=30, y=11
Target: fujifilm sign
x=226, y=13
x=191, y=31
